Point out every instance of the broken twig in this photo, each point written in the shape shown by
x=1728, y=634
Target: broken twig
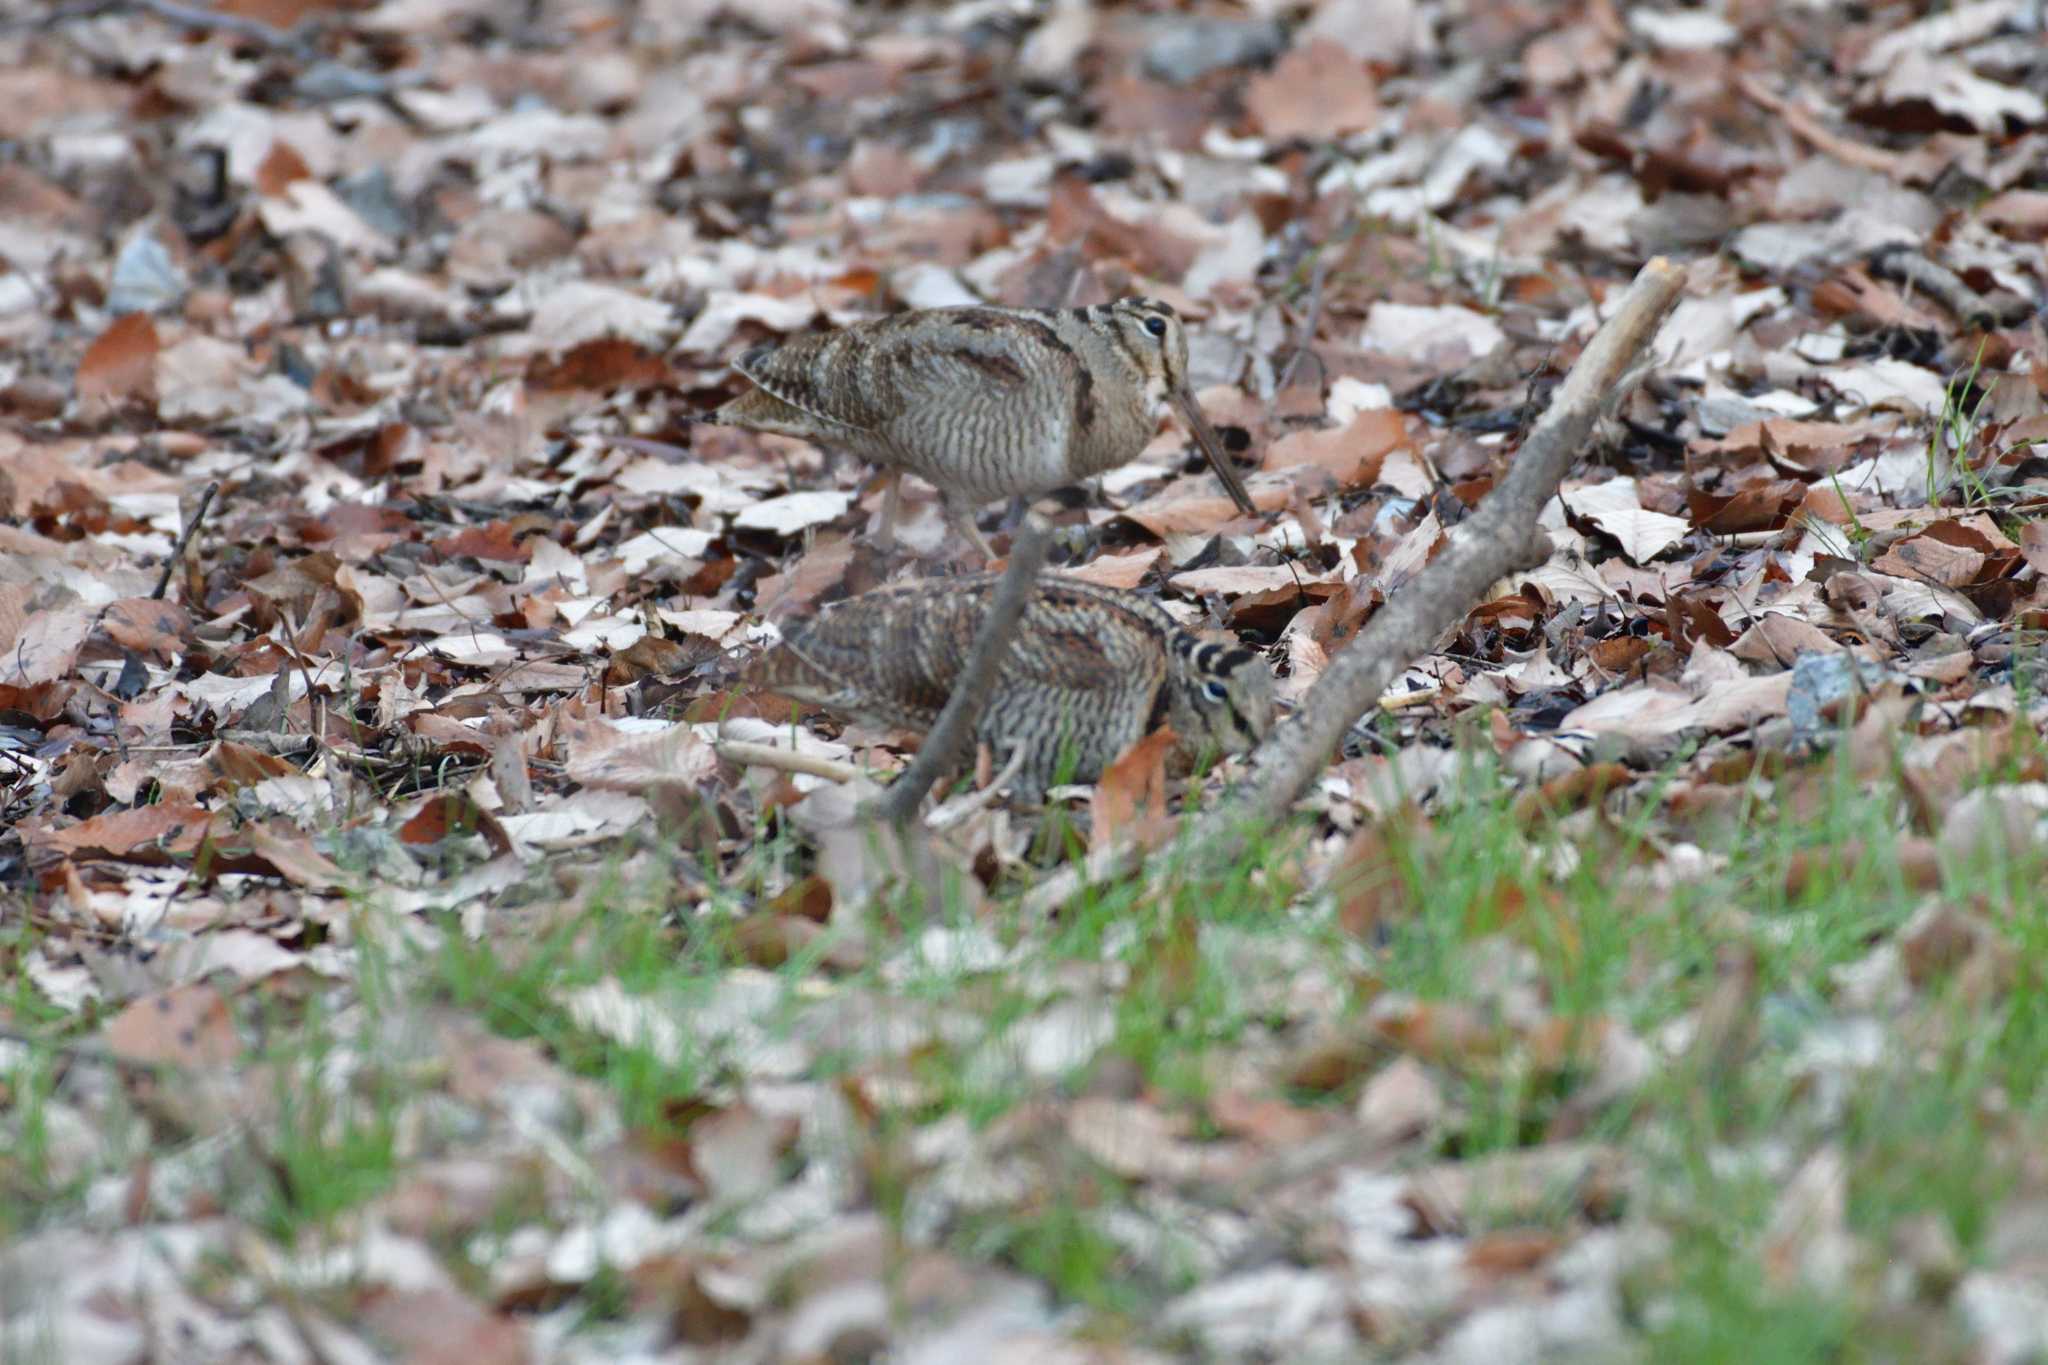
x=1498, y=539
x=163, y=584
x=786, y=760
x=1999, y=308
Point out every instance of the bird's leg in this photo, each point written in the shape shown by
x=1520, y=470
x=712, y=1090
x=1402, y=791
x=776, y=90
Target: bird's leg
x=960, y=515
x=892, y=500
x=1013, y=515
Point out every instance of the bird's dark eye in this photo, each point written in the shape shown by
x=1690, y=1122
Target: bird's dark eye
x=1215, y=690
x=1156, y=326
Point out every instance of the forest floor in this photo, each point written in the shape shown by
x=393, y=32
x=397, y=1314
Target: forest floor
x=392, y=967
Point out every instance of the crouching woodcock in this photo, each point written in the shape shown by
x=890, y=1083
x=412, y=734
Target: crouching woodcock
x=1090, y=670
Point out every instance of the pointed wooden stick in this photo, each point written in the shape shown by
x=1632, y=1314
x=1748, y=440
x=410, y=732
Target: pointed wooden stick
x=1498, y=539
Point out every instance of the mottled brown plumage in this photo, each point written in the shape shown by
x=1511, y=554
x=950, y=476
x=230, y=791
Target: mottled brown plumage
x=1090, y=670
x=983, y=403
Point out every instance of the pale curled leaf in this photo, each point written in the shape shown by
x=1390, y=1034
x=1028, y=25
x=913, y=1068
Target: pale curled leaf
x=1615, y=508
x=672, y=756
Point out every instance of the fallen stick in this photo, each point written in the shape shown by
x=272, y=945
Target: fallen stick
x=755, y=755
x=198, y=18
x=985, y=658
x=947, y=814
x=163, y=584
x=1750, y=540
x=2000, y=308
x=1499, y=538
x=1808, y=127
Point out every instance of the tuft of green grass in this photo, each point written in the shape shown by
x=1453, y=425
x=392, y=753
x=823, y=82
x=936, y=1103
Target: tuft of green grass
x=1576, y=906
x=1720, y=1309
x=1954, y=431
x=1063, y=1245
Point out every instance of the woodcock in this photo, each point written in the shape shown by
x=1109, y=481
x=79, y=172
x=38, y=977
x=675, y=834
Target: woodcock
x=1090, y=670
x=983, y=403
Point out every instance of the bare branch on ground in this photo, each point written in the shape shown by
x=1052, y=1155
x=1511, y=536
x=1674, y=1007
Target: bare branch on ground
x=786, y=760
x=2000, y=308
x=1498, y=539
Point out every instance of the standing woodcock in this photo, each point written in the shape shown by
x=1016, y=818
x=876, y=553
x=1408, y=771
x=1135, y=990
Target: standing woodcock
x=1090, y=670
x=983, y=403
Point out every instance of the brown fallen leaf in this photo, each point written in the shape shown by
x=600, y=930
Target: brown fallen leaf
x=2020, y=213
x=1402, y=1102
x=737, y=1152
x=1075, y=213
x=1760, y=507
x=650, y=656
x=454, y=814
x=1561, y=795
x=601, y=365
x=1919, y=864
x=1141, y=1141
x=1130, y=797
x=675, y=1287
x=293, y=857
x=769, y=941
x=1790, y=441
x=119, y=368
x=147, y=833
x=1512, y=1251
x=280, y=167
x=147, y=626
x=1725, y=1026
x=1777, y=639
x=1117, y=571
x=2034, y=545
x=1237, y=580
x=183, y=1026
x=1941, y=937
x=442, y=1326
x=605, y=757
x=1528, y=1187
x=1827, y=503
x=1352, y=454
x=1370, y=881
x=1854, y=294
x=1187, y=507
x=46, y=648
x=1460, y=1036
x=1614, y=507
x=1927, y=559
x=1265, y=1119
x=1619, y=654
x=1316, y=89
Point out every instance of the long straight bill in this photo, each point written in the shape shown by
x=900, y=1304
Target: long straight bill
x=1212, y=446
